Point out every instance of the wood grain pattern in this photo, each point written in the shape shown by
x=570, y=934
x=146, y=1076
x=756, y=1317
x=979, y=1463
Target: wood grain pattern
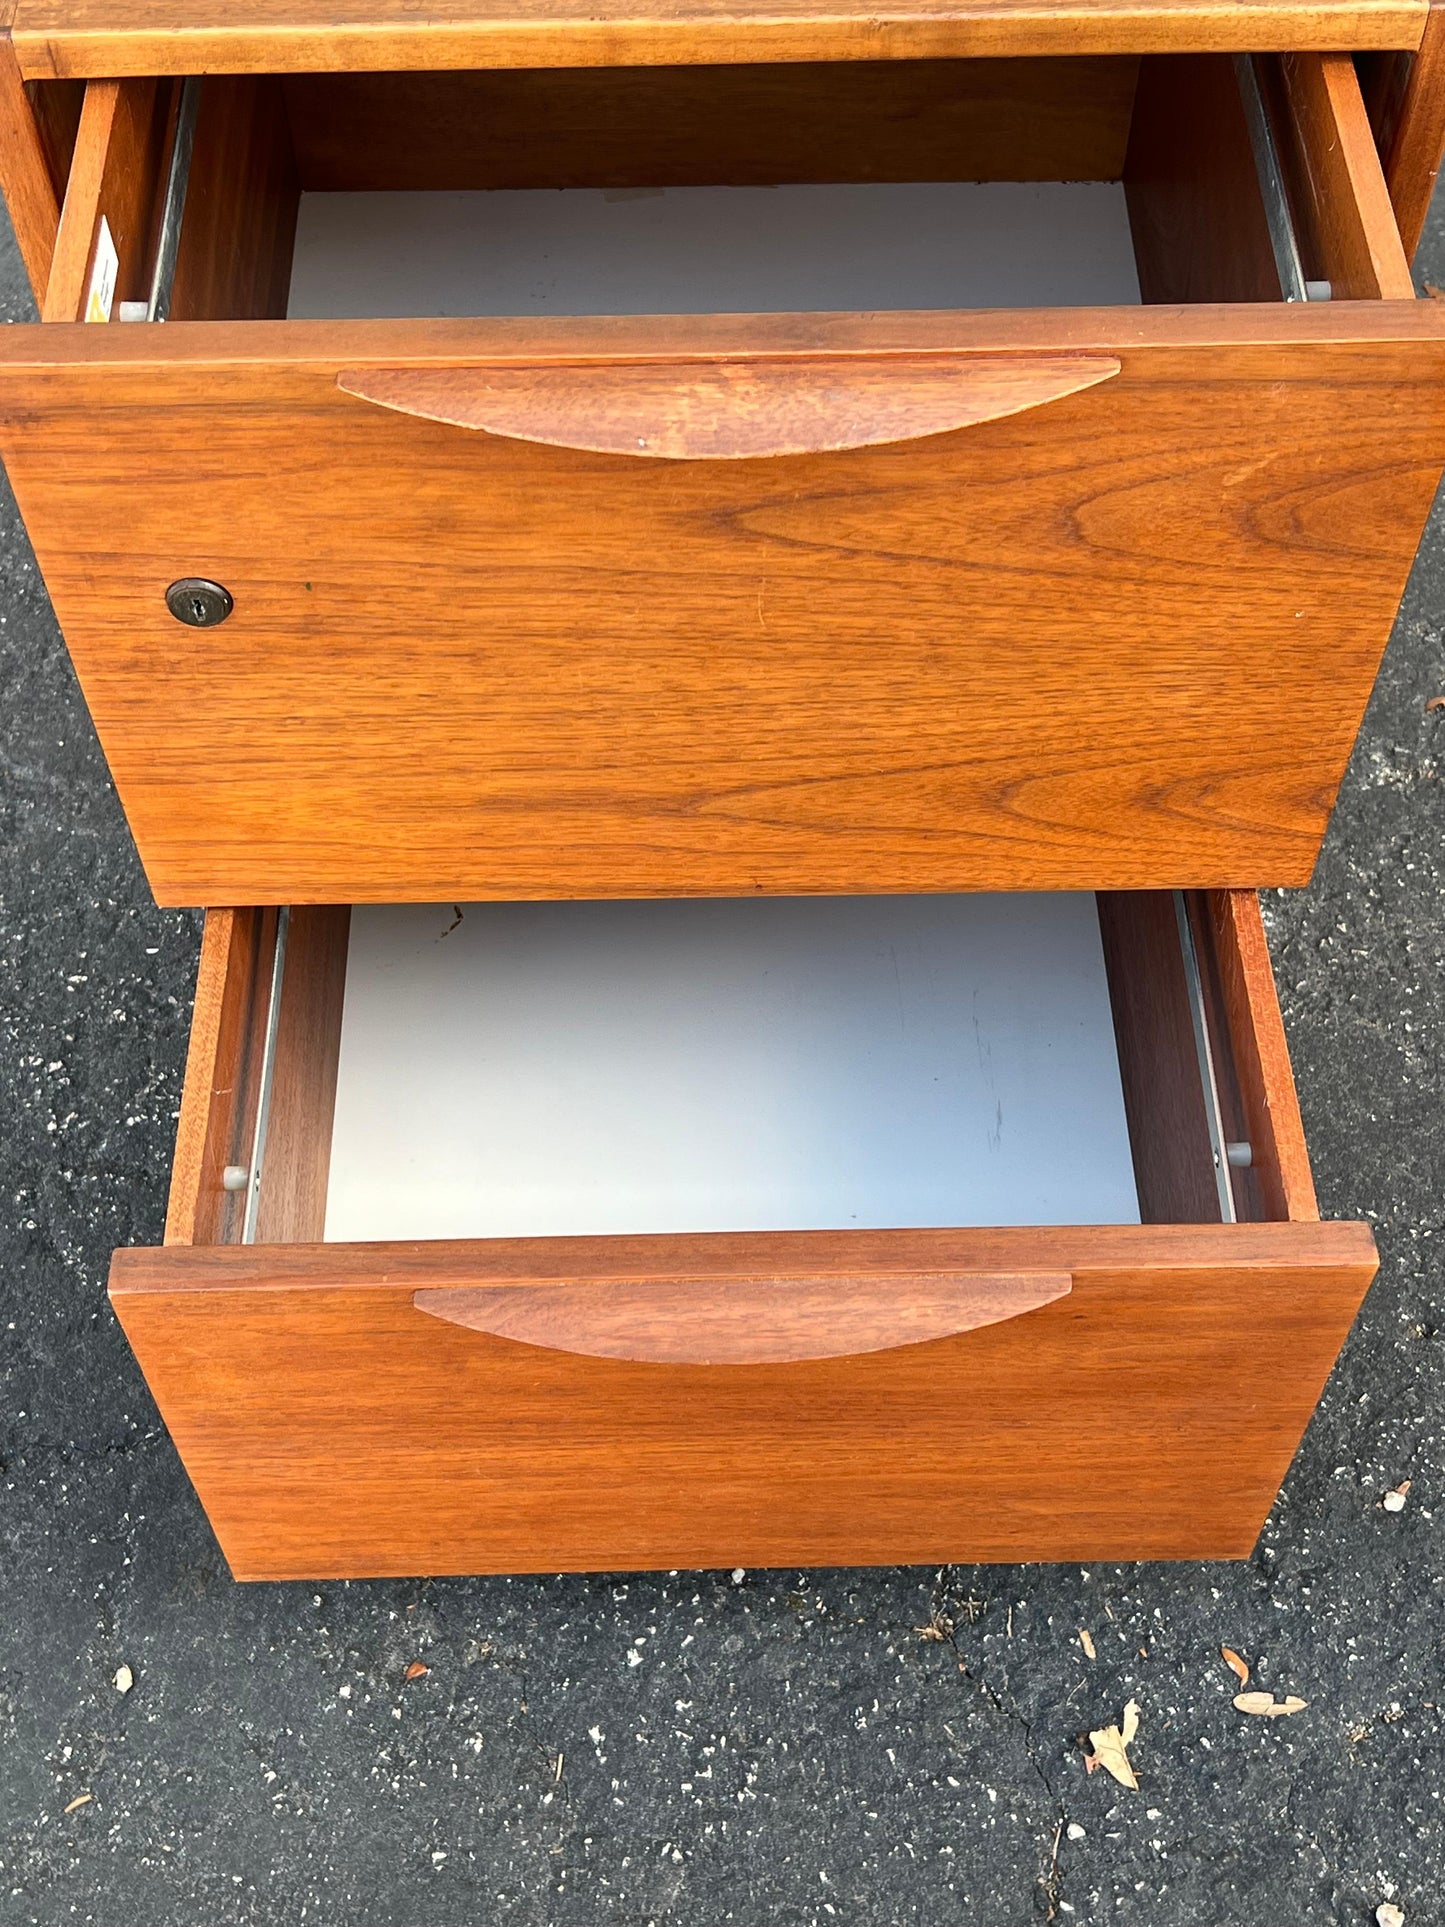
x=746, y=1321
x=332, y=1430
x=1405, y=94
x=754, y=125
x=1164, y=1097
x=58, y=38
x=26, y=176
x=731, y=411
x=223, y=1072
x=1192, y=187
x=119, y=153
x=296, y=1160
x=1342, y=206
x=1124, y=641
x=1261, y=1056
x=240, y=221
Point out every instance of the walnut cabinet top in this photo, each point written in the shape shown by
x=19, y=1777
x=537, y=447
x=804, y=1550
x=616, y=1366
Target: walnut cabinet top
x=57, y=39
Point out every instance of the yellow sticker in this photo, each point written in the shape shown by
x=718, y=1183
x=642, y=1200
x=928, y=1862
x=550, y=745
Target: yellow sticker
x=103, y=274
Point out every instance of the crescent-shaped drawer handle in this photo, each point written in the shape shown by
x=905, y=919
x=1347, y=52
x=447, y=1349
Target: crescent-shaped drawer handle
x=730, y=410
x=744, y=1321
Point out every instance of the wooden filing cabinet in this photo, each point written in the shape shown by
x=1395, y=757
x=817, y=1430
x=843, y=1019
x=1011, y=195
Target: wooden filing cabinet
x=811, y=601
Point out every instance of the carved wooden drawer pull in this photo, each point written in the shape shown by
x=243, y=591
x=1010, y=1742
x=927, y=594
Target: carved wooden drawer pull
x=745, y=1321
x=731, y=410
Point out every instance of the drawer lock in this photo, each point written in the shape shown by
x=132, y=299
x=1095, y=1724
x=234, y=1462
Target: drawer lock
x=198, y=603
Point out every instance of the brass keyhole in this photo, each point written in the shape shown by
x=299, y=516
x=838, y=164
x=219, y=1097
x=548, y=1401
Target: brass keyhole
x=198, y=603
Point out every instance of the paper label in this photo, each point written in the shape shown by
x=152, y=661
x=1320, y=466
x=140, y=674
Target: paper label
x=102, y=275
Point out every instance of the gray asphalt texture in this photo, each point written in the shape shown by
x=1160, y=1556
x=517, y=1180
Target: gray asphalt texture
x=779, y=1749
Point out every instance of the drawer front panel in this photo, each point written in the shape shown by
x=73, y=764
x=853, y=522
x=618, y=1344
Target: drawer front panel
x=1122, y=638
x=335, y=1428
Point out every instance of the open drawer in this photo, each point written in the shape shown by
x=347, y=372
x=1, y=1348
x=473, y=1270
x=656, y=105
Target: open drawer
x=1021, y=536
x=550, y=1236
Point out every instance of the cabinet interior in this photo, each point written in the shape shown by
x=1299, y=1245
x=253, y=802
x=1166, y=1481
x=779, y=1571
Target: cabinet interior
x=952, y=184
x=590, y=1068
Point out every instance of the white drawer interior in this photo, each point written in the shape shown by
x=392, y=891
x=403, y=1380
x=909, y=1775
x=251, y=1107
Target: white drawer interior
x=771, y=1064
x=704, y=250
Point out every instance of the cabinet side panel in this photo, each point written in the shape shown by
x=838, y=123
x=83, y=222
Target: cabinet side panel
x=1405, y=94
x=292, y=1206
x=1158, y=1058
x=1198, y=220
x=32, y=193
x=1261, y=1055
x=223, y=1069
x=234, y=260
x=1346, y=224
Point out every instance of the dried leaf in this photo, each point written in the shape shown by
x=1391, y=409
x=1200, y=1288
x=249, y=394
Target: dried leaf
x=124, y=1679
x=1394, y=1499
x=1235, y=1664
x=1435, y=294
x=1086, y=1640
x=1435, y=702
x=1267, y=1706
x=416, y=1670
x=80, y=1800
x=1387, y=1914
x=1111, y=1748
x=1254, y=1702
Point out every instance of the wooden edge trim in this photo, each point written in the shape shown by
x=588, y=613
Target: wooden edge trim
x=25, y=177
x=731, y=410
x=218, y=1098
x=719, y=1256
x=746, y=1321
x=1356, y=240
x=1261, y=1056
x=324, y=348
x=593, y=40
